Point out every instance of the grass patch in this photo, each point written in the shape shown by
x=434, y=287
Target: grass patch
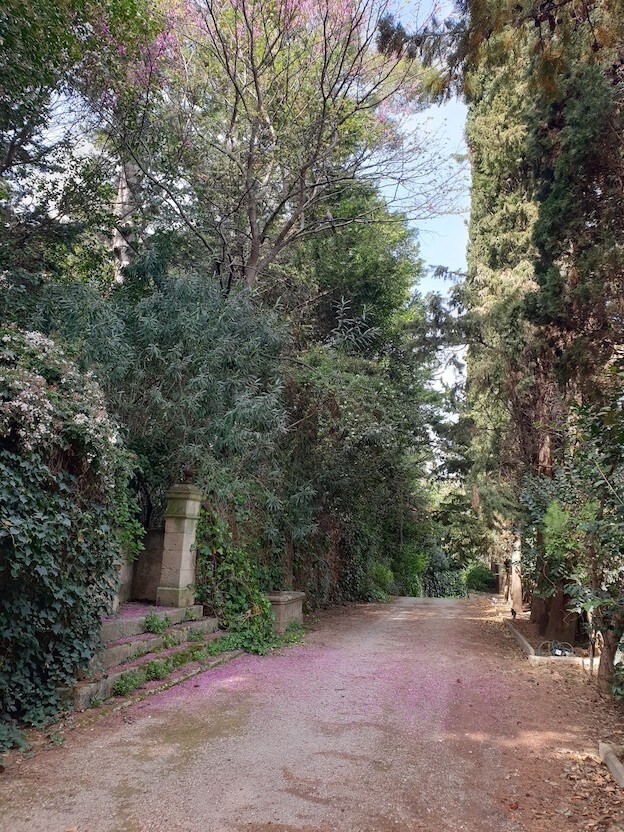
x=155, y=624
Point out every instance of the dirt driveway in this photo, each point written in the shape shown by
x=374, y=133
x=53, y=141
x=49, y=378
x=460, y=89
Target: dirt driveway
x=417, y=716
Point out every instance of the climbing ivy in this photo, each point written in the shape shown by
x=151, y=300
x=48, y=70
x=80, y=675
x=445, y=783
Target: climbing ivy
x=229, y=583
x=65, y=519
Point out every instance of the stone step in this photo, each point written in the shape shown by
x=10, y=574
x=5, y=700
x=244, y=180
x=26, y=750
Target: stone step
x=177, y=677
x=83, y=693
x=133, y=647
x=130, y=619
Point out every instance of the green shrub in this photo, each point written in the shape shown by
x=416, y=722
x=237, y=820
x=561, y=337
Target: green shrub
x=381, y=581
x=128, y=682
x=229, y=583
x=617, y=682
x=408, y=566
x=156, y=669
x=65, y=518
x=413, y=586
x=479, y=578
x=446, y=583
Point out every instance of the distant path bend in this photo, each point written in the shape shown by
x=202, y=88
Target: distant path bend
x=419, y=716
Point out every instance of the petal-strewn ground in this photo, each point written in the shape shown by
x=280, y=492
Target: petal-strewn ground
x=419, y=715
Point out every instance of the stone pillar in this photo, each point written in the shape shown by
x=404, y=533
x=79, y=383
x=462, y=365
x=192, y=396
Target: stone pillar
x=177, y=576
x=516, y=574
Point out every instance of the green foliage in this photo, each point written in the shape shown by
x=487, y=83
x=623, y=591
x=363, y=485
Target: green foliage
x=579, y=513
x=479, y=578
x=408, y=565
x=360, y=425
x=64, y=517
x=371, y=273
x=617, y=683
x=229, y=584
x=205, y=367
x=559, y=538
x=461, y=530
x=156, y=624
x=444, y=583
x=381, y=581
x=128, y=682
x=156, y=669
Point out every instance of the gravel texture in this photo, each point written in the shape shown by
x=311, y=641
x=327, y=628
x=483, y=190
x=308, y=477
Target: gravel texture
x=419, y=716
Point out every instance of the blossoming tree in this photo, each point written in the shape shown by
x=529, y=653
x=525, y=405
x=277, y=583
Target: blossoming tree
x=247, y=120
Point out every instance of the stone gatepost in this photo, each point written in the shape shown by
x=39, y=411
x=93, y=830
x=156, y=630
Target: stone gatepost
x=177, y=577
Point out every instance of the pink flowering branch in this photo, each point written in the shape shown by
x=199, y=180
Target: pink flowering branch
x=249, y=115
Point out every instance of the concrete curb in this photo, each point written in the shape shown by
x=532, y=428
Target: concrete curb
x=575, y=661
x=524, y=644
x=609, y=755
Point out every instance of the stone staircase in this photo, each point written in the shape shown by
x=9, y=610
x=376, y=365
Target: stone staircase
x=176, y=641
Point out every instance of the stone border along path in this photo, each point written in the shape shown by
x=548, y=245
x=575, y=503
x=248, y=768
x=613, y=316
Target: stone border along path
x=421, y=715
x=579, y=661
x=611, y=757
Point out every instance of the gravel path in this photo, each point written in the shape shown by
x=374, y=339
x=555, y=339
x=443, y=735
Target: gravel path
x=419, y=716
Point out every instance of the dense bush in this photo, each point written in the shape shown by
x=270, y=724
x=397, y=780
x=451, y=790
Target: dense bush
x=357, y=423
x=409, y=563
x=381, y=581
x=479, y=578
x=447, y=583
x=64, y=521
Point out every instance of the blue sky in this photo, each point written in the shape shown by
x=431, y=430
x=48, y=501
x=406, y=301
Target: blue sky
x=443, y=240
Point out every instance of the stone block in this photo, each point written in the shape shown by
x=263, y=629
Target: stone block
x=125, y=626
x=148, y=565
x=287, y=607
x=126, y=579
x=175, y=596
x=177, y=574
x=183, y=501
x=181, y=526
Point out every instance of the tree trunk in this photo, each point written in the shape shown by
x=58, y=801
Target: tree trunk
x=561, y=624
x=612, y=638
x=124, y=237
x=539, y=606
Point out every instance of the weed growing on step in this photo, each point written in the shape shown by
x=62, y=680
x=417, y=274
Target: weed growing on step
x=157, y=669
x=161, y=668
x=168, y=640
x=196, y=635
x=155, y=624
x=128, y=682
